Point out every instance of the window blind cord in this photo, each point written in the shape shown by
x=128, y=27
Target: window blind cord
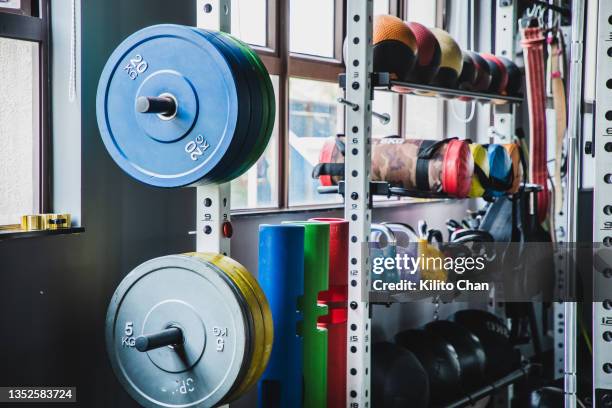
x=73, y=63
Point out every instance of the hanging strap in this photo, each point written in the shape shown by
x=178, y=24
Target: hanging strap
x=559, y=104
x=533, y=49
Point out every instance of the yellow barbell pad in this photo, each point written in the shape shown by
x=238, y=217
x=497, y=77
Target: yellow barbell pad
x=393, y=28
x=513, y=150
x=260, y=314
x=481, y=159
x=451, y=56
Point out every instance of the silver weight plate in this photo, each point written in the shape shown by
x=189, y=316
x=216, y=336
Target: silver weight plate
x=194, y=295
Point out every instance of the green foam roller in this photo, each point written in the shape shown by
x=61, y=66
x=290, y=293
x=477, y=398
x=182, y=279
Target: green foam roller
x=316, y=280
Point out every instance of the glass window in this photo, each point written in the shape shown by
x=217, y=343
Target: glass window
x=312, y=27
x=249, y=21
x=381, y=7
x=385, y=103
x=19, y=129
x=258, y=187
x=422, y=117
x=314, y=116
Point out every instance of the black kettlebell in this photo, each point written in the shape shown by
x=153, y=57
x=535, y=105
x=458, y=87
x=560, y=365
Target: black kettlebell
x=398, y=378
x=494, y=335
x=470, y=352
x=440, y=361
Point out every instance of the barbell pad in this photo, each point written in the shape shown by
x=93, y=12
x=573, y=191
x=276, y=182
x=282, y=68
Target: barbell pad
x=268, y=101
x=281, y=276
x=440, y=361
x=263, y=326
x=501, y=358
x=325, y=158
x=499, y=83
x=515, y=77
x=336, y=299
x=483, y=74
x=316, y=280
x=514, y=151
x=451, y=61
x=394, y=46
x=398, y=378
x=500, y=170
x=170, y=151
x=251, y=121
x=480, y=157
x=458, y=168
x=429, y=54
x=470, y=353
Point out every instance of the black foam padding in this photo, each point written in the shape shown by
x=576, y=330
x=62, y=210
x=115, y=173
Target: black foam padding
x=440, y=361
x=394, y=57
x=398, y=378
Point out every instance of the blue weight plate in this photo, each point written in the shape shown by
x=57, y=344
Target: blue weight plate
x=183, y=150
x=269, y=102
x=229, y=169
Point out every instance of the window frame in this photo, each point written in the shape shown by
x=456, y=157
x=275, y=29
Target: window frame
x=279, y=61
x=31, y=23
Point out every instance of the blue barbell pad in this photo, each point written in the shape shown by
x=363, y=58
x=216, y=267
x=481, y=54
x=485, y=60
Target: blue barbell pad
x=169, y=59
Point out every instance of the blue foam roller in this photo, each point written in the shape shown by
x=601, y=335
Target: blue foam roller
x=281, y=276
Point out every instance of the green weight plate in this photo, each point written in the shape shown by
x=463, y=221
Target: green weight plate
x=268, y=100
x=250, y=120
x=198, y=297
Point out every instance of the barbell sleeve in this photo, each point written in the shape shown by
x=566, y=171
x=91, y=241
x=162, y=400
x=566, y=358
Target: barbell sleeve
x=169, y=337
x=156, y=104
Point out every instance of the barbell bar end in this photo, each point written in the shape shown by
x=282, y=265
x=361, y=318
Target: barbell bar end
x=171, y=336
x=163, y=105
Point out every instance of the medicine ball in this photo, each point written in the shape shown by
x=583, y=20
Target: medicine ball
x=398, y=378
x=428, y=54
x=451, y=62
x=467, y=79
x=515, y=77
x=499, y=74
x=501, y=357
x=395, y=46
x=483, y=74
x=470, y=352
x=440, y=361
x=547, y=397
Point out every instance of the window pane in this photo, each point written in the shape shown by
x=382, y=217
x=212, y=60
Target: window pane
x=258, y=187
x=385, y=103
x=381, y=7
x=249, y=21
x=314, y=116
x=18, y=129
x=312, y=27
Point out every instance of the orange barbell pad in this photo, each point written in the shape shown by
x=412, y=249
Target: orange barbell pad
x=499, y=83
x=514, y=152
x=429, y=54
x=458, y=168
x=394, y=46
x=451, y=61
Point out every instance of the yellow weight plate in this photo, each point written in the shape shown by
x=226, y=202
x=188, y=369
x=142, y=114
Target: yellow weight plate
x=261, y=315
x=481, y=159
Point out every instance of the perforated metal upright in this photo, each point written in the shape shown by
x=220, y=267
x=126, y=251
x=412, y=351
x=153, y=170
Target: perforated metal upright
x=602, y=210
x=505, y=32
x=213, y=201
x=357, y=206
